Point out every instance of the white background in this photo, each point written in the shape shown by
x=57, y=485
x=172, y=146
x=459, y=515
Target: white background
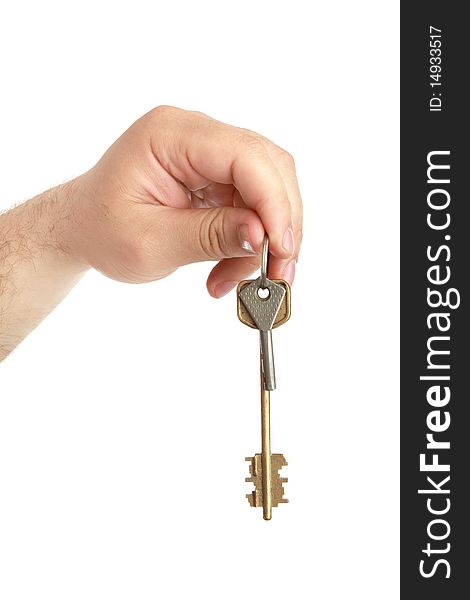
x=126, y=416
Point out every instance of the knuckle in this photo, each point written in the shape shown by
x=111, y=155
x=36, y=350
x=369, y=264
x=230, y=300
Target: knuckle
x=163, y=112
x=252, y=142
x=211, y=234
x=287, y=158
x=200, y=115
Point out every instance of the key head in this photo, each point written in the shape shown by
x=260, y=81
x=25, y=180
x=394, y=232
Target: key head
x=245, y=314
x=263, y=308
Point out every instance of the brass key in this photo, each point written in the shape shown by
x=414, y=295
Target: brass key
x=264, y=467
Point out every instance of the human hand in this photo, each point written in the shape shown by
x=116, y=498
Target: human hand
x=179, y=187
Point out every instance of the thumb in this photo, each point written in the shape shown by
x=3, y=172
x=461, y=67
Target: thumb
x=188, y=235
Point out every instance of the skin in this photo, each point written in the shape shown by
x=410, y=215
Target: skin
x=177, y=187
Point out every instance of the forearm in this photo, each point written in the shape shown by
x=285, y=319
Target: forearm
x=37, y=269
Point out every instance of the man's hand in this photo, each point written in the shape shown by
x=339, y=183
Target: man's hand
x=177, y=187
x=138, y=211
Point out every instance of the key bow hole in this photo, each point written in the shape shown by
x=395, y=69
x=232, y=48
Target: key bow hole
x=263, y=293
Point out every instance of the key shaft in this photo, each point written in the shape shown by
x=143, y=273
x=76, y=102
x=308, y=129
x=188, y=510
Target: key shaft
x=268, y=373
x=266, y=447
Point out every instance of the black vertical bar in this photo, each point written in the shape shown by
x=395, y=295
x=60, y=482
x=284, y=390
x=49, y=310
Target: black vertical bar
x=423, y=131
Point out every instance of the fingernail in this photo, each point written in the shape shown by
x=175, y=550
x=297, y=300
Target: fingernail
x=288, y=241
x=243, y=236
x=224, y=287
x=289, y=272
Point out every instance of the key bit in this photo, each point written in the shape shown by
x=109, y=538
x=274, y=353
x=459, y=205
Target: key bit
x=255, y=498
